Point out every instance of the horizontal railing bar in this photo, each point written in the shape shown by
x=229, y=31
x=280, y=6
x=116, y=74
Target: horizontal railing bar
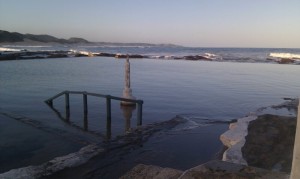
x=56, y=96
x=76, y=92
x=126, y=99
x=97, y=95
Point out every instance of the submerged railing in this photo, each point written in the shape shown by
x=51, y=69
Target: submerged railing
x=108, y=105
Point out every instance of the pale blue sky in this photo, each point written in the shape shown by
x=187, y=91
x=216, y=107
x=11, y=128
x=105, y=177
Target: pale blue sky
x=201, y=23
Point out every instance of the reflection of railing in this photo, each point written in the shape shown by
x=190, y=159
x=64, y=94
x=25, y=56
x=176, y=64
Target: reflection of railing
x=85, y=106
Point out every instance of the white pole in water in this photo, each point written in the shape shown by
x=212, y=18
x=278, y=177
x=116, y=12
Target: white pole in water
x=127, y=92
x=295, y=173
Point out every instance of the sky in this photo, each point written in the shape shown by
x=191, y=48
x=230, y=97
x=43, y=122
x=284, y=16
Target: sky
x=193, y=23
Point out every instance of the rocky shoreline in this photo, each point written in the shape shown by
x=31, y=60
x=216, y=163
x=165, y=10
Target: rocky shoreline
x=259, y=146
x=270, y=142
x=265, y=140
x=26, y=55
x=214, y=169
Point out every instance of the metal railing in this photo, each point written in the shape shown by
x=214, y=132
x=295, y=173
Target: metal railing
x=108, y=104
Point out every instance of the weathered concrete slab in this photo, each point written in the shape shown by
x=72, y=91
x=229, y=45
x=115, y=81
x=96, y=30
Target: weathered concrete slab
x=234, y=139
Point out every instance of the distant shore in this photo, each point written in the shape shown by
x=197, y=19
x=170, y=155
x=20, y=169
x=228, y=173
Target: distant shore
x=24, y=54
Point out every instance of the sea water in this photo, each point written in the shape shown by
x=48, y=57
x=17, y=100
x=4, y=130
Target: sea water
x=196, y=90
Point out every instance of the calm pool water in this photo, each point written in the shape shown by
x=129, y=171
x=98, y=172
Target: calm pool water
x=207, y=90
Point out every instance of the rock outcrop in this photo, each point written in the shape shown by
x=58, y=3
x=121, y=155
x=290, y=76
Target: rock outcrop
x=153, y=172
x=269, y=143
x=211, y=170
x=196, y=57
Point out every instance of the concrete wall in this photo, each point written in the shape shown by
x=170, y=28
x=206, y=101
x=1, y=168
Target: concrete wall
x=295, y=174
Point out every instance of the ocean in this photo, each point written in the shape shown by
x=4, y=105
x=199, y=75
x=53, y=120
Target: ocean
x=238, y=81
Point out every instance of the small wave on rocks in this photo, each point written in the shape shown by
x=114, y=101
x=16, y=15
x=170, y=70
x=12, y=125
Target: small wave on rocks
x=194, y=121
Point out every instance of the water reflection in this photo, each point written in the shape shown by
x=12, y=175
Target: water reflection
x=127, y=114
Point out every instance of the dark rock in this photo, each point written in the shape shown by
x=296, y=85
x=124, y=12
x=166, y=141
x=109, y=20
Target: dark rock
x=211, y=170
x=178, y=58
x=121, y=56
x=80, y=55
x=13, y=56
x=270, y=59
x=106, y=55
x=58, y=55
x=31, y=57
x=270, y=142
x=286, y=61
x=224, y=170
x=129, y=56
x=136, y=56
x=196, y=57
x=150, y=171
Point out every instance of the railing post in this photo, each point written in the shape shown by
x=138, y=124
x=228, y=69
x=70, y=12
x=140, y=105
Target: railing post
x=85, y=123
x=85, y=108
x=140, y=113
x=108, y=117
x=67, y=105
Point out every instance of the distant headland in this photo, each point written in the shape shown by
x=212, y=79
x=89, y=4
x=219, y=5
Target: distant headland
x=11, y=37
x=7, y=37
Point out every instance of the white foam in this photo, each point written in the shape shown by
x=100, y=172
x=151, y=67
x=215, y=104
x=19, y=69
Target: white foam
x=285, y=55
x=2, y=49
x=212, y=56
x=80, y=52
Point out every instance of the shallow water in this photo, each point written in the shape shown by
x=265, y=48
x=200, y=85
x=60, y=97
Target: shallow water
x=205, y=90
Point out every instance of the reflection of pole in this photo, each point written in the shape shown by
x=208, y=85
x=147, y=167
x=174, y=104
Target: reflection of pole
x=108, y=117
x=67, y=106
x=127, y=92
x=85, y=123
x=127, y=113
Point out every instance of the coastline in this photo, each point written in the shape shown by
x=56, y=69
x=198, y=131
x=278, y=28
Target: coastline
x=263, y=140
x=259, y=145
x=54, y=50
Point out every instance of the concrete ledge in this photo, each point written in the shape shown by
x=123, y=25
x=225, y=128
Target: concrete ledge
x=234, y=139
